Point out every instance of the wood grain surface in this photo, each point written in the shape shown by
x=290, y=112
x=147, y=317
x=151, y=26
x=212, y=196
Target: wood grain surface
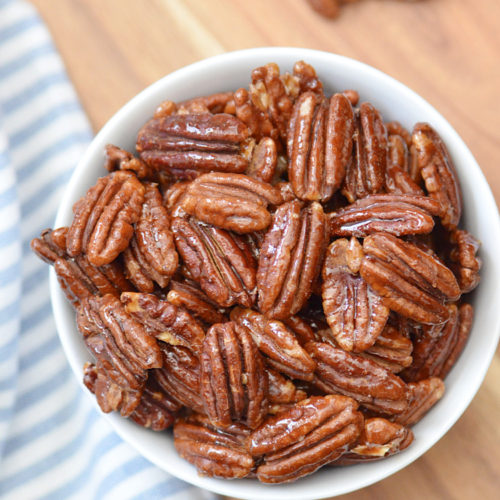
x=446, y=50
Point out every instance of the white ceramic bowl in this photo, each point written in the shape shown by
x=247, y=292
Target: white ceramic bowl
x=396, y=102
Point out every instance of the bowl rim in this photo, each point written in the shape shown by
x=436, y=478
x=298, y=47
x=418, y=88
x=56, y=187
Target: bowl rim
x=60, y=305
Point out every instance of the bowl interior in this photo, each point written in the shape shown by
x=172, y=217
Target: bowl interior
x=396, y=102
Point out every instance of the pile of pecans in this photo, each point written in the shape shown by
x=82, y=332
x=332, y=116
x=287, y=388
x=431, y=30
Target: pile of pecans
x=278, y=275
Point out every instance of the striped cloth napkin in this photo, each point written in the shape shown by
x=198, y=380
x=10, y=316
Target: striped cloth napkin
x=53, y=443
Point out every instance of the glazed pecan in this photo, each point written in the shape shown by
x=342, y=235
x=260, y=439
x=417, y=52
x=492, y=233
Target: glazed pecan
x=50, y=245
x=282, y=390
x=290, y=258
x=356, y=315
x=233, y=381
x=464, y=262
x=434, y=353
x=277, y=342
x=173, y=196
x=163, y=320
x=438, y=172
x=221, y=102
x=103, y=218
x=214, y=452
x=395, y=214
x=180, y=376
x=397, y=181
x=151, y=256
x=412, y=282
x=186, y=145
x=300, y=440
x=303, y=79
x=400, y=175
x=422, y=396
x=221, y=262
x=264, y=160
x=119, y=159
x=231, y=201
x=380, y=438
x=366, y=172
x=302, y=329
x=395, y=128
x=187, y=296
x=319, y=145
x=341, y=372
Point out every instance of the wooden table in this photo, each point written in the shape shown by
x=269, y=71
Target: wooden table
x=446, y=50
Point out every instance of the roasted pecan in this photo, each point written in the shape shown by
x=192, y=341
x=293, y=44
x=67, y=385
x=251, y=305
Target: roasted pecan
x=173, y=196
x=422, y=396
x=356, y=315
x=392, y=350
x=163, y=320
x=412, y=282
x=366, y=172
x=220, y=261
x=438, y=172
x=233, y=380
x=290, y=258
x=464, y=262
x=380, y=438
x=395, y=128
x=264, y=160
x=103, y=218
x=397, y=181
x=231, y=201
x=180, y=376
x=186, y=145
x=373, y=386
x=286, y=191
x=183, y=294
x=221, y=102
x=298, y=441
x=302, y=329
x=352, y=95
x=50, y=245
x=213, y=451
x=319, y=145
x=282, y=390
x=277, y=342
x=395, y=214
x=119, y=159
x=151, y=256
x=303, y=79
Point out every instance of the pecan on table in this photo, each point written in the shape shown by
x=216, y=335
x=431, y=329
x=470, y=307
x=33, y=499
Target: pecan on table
x=464, y=261
x=214, y=452
x=233, y=381
x=438, y=172
x=290, y=258
x=380, y=438
x=341, y=372
x=221, y=262
x=356, y=315
x=231, y=201
x=186, y=145
x=164, y=321
x=422, y=396
x=366, y=172
x=151, y=256
x=283, y=351
x=394, y=214
x=300, y=440
x=411, y=282
x=320, y=138
x=103, y=218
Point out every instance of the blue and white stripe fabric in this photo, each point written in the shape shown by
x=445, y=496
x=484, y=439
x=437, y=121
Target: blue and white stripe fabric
x=53, y=443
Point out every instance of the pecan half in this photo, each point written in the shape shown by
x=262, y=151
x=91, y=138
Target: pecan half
x=221, y=102
x=394, y=214
x=277, y=342
x=301, y=328
x=319, y=145
x=231, y=201
x=380, y=438
x=214, y=452
x=438, y=172
x=373, y=386
x=119, y=159
x=186, y=145
x=151, y=256
x=422, y=396
x=163, y=320
x=300, y=440
x=366, y=173
x=464, y=262
x=103, y=218
x=220, y=261
x=264, y=160
x=290, y=258
x=50, y=245
x=395, y=128
x=356, y=315
x=412, y=282
x=233, y=381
